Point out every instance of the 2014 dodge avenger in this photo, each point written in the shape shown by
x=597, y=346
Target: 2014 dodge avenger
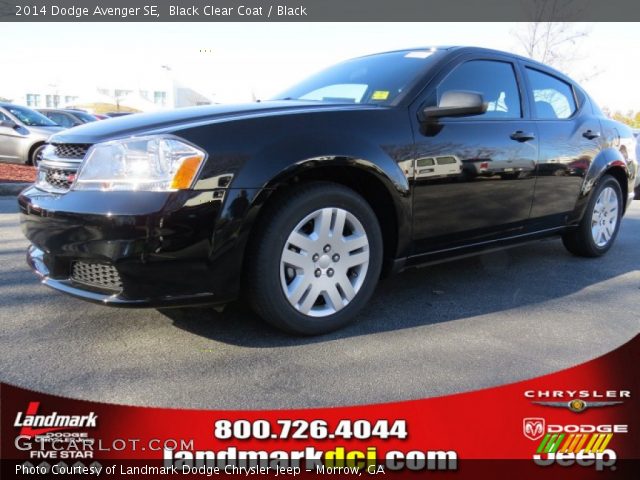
x=301, y=203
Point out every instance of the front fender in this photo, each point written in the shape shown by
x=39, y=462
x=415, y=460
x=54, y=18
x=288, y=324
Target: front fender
x=306, y=155
x=290, y=155
x=307, y=158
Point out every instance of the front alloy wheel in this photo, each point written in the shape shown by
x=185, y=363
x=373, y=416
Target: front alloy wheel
x=324, y=262
x=315, y=258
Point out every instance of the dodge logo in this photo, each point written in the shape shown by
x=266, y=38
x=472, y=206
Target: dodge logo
x=63, y=177
x=533, y=428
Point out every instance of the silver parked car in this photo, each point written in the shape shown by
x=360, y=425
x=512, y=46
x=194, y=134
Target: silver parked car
x=23, y=133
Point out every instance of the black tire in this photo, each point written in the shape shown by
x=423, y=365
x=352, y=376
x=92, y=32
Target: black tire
x=263, y=261
x=580, y=241
x=36, y=155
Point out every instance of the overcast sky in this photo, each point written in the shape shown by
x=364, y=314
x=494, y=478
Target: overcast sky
x=230, y=60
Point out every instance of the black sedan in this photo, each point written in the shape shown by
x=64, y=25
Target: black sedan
x=301, y=203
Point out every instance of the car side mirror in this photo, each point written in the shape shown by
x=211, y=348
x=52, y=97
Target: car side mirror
x=8, y=123
x=456, y=103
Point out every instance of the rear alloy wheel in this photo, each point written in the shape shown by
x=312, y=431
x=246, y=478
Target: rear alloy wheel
x=604, y=220
x=599, y=227
x=317, y=259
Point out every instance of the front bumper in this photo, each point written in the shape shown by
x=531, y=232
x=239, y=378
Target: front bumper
x=36, y=260
x=164, y=248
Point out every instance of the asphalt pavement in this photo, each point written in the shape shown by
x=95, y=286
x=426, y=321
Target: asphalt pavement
x=460, y=326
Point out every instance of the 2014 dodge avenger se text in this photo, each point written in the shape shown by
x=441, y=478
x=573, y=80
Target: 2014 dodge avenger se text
x=301, y=203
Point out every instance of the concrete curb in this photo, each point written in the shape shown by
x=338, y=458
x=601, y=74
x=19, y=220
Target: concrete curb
x=7, y=189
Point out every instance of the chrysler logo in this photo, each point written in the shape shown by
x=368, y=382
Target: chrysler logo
x=577, y=405
x=533, y=428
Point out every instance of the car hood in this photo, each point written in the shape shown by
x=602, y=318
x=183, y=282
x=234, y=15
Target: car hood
x=163, y=122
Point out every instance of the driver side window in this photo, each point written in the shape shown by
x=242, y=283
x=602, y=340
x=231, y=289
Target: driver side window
x=495, y=80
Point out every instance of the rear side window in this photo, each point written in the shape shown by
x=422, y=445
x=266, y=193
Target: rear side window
x=553, y=98
x=495, y=80
x=446, y=160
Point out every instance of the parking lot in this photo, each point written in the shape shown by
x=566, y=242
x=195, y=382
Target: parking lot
x=473, y=323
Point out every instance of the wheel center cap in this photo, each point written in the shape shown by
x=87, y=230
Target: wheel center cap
x=324, y=261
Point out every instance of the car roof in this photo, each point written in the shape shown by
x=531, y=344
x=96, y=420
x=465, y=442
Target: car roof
x=461, y=49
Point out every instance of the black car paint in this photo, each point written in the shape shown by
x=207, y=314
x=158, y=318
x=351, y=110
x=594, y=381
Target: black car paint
x=189, y=246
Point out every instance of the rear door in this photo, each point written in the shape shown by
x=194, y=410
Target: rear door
x=570, y=138
x=474, y=176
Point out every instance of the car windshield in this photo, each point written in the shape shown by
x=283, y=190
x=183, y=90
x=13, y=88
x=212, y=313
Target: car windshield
x=30, y=117
x=375, y=80
x=84, y=116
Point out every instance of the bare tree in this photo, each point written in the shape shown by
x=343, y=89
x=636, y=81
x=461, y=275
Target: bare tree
x=555, y=43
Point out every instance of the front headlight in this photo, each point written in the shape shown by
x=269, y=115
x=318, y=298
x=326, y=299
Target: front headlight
x=153, y=163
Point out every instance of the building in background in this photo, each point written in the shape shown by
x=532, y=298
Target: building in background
x=151, y=90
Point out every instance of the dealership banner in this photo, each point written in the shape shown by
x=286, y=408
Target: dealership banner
x=580, y=423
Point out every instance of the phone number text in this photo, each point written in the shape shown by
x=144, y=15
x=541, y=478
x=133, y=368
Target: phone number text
x=305, y=429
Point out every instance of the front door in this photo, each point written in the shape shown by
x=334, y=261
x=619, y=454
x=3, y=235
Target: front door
x=474, y=176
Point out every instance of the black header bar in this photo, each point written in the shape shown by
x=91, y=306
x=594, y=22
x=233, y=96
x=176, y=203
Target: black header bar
x=318, y=10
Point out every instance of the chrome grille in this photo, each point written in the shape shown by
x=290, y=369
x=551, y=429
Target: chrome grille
x=98, y=275
x=59, y=164
x=58, y=178
x=71, y=150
